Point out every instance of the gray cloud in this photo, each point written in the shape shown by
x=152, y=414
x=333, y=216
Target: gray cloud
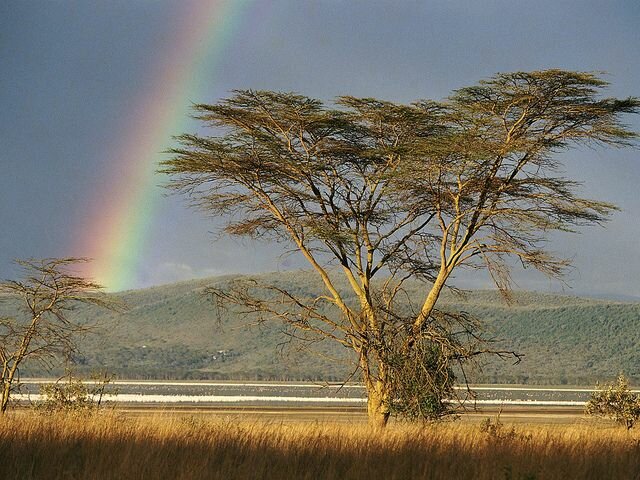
x=72, y=71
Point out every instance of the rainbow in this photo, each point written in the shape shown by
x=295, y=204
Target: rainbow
x=122, y=213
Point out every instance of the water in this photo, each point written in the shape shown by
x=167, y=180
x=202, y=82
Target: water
x=302, y=394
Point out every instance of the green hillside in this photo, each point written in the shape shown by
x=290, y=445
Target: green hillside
x=173, y=331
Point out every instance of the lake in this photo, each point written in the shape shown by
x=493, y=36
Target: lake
x=303, y=393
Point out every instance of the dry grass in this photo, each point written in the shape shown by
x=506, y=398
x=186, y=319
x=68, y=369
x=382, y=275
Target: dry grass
x=113, y=447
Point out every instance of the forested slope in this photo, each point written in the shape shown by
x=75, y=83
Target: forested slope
x=174, y=331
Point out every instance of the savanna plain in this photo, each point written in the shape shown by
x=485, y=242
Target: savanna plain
x=115, y=446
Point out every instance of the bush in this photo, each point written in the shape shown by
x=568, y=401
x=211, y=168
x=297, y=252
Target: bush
x=497, y=432
x=617, y=402
x=73, y=395
x=422, y=383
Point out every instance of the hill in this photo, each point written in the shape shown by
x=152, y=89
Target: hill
x=173, y=331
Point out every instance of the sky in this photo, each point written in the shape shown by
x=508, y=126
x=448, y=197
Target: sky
x=91, y=93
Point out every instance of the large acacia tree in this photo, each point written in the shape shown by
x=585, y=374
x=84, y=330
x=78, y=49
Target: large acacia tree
x=381, y=189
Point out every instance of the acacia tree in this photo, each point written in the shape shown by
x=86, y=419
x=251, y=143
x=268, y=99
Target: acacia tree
x=395, y=191
x=42, y=331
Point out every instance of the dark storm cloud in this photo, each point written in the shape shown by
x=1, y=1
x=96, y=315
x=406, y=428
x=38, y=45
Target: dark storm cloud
x=70, y=72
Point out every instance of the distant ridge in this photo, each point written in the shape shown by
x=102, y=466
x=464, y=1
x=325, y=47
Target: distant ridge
x=611, y=296
x=173, y=331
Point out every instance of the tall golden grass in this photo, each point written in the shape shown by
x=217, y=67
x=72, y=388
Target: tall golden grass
x=116, y=447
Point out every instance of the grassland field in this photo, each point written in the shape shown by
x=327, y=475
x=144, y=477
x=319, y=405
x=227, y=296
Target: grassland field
x=113, y=445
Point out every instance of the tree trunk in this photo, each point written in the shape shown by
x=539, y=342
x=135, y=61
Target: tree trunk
x=430, y=301
x=377, y=404
x=6, y=387
x=8, y=377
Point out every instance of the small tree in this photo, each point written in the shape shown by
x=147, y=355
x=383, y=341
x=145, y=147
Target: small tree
x=72, y=395
x=387, y=192
x=617, y=402
x=43, y=331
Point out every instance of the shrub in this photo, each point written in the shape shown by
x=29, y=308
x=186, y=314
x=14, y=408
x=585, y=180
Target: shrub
x=73, y=395
x=498, y=432
x=617, y=402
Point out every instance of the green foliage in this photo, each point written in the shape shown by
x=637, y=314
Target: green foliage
x=423, y=369
x=72, y=395
x=422, y=383
x=41, y=327
x=564, y=339
x=617, y=402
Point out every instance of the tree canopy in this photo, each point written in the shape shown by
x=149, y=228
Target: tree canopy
x=42, y=331
x=394, y=191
